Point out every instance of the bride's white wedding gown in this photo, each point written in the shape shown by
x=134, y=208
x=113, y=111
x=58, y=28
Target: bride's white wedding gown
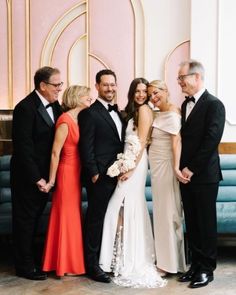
x=127, y=247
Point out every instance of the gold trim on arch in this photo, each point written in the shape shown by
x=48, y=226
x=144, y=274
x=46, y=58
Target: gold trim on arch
x=27, y=47
x=53, y=28
x=99, y=59
x=56, y=41
x=168, y=57
x=10, y=53
x=143, y=38
x=69, y=56
x=135, y=66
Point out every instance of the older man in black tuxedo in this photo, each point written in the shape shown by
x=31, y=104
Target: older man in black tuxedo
x=101, y=139
x=33, y=131
x=203, y=120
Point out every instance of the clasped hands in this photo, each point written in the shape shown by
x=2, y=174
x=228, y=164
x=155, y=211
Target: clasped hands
x=44, y=186
x=184, y=176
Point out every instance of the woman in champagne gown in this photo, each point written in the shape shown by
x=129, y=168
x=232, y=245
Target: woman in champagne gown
x=64, y=245
x=127, y=248
x=164, y=155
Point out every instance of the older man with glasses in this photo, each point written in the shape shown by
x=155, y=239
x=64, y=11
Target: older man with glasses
x=34, y=119
x=203, y=119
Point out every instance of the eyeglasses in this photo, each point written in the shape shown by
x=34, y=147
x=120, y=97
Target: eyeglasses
x=108, y=85
x=55, y=85
x=182, y=77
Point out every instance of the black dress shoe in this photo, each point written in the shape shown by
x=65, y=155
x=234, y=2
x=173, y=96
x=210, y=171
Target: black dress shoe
x=201, y=279
x=97, y=274
x=188, y=276
x=36, y=275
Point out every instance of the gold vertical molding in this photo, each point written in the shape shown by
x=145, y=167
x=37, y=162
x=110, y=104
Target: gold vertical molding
x=27, y=47
x=135, y=39
x=139, y=36
x=87, y=32
x=10, y=53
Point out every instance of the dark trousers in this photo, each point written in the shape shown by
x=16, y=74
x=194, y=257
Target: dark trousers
x=28, y=204
x=98, y=195
x=199, y=201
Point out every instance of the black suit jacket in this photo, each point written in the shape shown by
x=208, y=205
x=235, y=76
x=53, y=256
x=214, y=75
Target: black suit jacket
x=201, y=134
x=99, y=140
x=32, y=135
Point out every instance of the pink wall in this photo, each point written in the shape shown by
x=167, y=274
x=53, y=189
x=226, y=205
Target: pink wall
x=111, y=39
x=180, y=53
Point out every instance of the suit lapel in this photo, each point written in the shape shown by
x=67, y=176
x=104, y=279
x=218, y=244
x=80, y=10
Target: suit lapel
x=44, y=114
x=42, y=111
x=196, y=108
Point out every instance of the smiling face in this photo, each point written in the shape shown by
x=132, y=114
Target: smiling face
x=188, y=81
x=140, y=95
x=51, y=89
x=107, y=88
x=158, y=96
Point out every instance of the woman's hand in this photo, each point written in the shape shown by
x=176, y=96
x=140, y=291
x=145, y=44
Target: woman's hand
x=48, y=186
x=126, y=175
x=180, y=176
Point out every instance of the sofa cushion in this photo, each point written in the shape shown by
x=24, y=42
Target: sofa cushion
x=229, y=177
x=226, y=217
x=228, y=161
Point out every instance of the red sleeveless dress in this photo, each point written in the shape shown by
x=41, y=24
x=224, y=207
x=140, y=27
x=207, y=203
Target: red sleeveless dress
x=64, y=244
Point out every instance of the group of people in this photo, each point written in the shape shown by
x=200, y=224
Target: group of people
x=59, y=148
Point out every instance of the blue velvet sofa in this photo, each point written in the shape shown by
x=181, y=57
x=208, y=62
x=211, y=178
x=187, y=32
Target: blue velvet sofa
x=226, y=201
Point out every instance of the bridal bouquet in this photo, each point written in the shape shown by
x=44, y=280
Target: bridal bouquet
x=126, y=161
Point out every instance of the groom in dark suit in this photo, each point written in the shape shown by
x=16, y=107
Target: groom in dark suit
x=34, y=119
x=101, y=139
x=203, y=120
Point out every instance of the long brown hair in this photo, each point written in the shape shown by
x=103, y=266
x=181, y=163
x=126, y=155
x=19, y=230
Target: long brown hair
x=132, y=107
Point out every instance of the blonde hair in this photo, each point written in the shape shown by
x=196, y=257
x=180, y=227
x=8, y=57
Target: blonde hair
x=160, y=84
x=72, y=96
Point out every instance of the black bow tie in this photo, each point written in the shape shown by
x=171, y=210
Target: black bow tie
x=190, y=98
x=113, y=107
x=49, y=105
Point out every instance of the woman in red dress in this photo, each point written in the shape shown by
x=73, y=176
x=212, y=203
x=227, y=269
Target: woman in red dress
x=64, y=244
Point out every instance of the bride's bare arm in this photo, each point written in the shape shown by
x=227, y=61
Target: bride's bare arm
x=145, y=119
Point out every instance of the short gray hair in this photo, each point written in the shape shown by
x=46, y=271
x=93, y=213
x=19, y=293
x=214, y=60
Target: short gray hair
x=194, y=67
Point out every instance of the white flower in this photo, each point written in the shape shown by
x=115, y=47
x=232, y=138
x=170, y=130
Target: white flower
x=126, y=161
x=113, y=170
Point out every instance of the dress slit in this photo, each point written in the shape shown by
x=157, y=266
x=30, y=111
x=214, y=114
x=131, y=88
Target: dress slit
x=118, y=251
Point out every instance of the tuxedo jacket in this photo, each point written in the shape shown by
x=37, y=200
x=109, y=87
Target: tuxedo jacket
x=99, y=141
x=32, y=135
x=201, y=134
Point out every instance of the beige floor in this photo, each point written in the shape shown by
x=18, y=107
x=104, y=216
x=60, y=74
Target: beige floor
x=224, y=283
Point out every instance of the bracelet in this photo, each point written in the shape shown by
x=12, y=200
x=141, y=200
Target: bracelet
x=51, y=184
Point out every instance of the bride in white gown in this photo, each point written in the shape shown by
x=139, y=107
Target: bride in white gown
x=127, y=248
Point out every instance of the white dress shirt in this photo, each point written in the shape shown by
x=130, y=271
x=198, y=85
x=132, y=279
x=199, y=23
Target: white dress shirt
x=113, y=115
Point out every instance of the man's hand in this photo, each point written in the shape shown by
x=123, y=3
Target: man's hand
x=181, y=177
x=41, y=184
x=187, y=173
x=95, y=178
